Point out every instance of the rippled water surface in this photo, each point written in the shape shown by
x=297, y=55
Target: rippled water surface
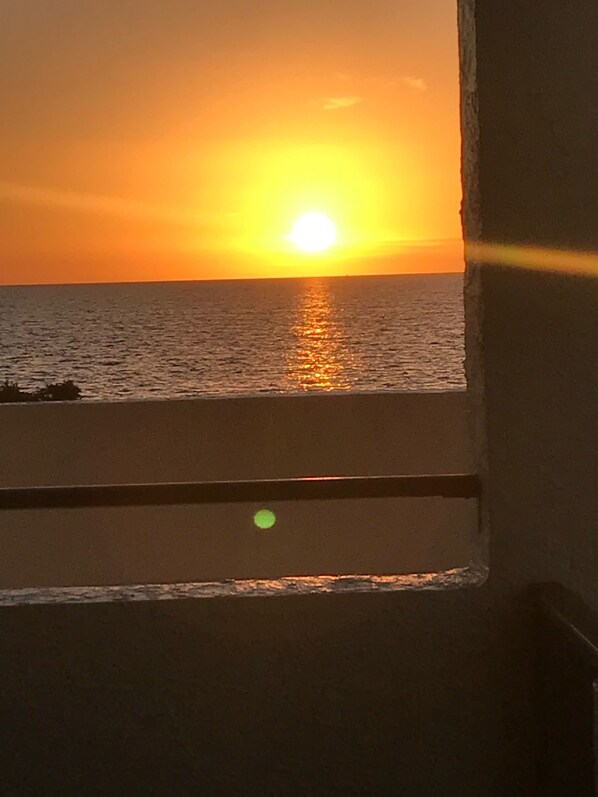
x=223, y=338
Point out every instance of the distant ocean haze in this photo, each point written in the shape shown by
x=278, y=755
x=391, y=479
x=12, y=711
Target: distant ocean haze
x=222, y=338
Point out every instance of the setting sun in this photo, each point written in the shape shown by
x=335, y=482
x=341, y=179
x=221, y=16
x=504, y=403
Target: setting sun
x=289, y=146
x=313, y=232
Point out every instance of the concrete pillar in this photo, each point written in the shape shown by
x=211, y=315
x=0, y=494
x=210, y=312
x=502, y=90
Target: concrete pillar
x=530, y=100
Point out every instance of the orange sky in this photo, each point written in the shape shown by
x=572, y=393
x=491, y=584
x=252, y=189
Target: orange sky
x=178, y=139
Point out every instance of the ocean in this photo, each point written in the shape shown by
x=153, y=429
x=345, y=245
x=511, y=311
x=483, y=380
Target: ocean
x=223, y=338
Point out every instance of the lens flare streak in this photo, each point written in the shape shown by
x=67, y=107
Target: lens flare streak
x=530, y=257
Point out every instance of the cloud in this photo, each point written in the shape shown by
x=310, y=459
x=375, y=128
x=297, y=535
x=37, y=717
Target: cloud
x=415, y=83
x=383, y=81
x=58, y=199
x=337, y=103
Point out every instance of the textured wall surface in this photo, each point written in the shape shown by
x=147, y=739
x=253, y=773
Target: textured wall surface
x=532, y=336
x=538, y=172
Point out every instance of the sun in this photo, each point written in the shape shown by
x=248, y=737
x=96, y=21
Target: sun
x=313, y=232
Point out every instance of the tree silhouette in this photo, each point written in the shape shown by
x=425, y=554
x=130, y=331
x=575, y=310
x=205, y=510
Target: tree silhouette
x=11, y=393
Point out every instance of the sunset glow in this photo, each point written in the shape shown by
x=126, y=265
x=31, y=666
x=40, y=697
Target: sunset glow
x=313, y=232
x=130, y=153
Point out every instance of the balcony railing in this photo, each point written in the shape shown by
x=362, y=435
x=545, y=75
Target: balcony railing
x=463, y=485
x=567, y=693
x=103, y=501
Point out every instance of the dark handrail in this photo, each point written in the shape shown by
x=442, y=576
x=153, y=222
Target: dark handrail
x=566, y=693
x=567, y=614
x=321, y=488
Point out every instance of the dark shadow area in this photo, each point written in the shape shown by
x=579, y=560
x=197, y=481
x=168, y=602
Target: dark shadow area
x=398, y=694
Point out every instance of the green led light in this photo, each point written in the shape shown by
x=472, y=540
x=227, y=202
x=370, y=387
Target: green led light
x=264, y=519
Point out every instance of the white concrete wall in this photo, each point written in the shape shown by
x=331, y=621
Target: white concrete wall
x=237, y=438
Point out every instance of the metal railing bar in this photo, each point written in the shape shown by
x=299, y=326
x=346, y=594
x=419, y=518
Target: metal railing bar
x=567, y=613
x=461, y=485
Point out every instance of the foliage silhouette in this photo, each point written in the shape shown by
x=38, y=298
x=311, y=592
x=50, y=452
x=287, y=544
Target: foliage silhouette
x=10, y=392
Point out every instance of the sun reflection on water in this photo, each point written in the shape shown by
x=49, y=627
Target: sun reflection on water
x=320, y=359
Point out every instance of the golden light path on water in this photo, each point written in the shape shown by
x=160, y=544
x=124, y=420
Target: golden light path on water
x=320, y=358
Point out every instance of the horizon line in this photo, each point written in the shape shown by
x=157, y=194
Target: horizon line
x=227, y=279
